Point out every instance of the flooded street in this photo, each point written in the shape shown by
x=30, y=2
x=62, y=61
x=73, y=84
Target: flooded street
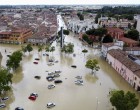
x=93, y=95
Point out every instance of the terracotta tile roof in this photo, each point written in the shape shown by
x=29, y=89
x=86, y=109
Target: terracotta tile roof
x=112, y=29
x=5, y=32
x=131, y=48
x=127, y=40
x=108, y=44
x=121, y=56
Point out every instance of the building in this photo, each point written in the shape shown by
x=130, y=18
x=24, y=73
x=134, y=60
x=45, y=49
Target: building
x=15, y=36
x=132, y=50
x=116, y=33
x=129, y=42
x=108, y=46
x=138, y=25
x=126, y=66
x=77, y=26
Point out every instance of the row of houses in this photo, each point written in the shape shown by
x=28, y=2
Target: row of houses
x=28, y=26
x=124, y=60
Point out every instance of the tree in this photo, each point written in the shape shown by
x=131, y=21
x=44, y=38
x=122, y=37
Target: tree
x=5, y=80
x=93, y=65
x=123, y=101
x=40, y=48
x=96, y=18
x=69, y=48
x=48, y=48
x=135, y=24
x=133, y=34
x=52, y=49
x=29, y=48
x=65, y=32
x=14, y=60
x=85, y=37
x=84, y=51
x=24, y=49
x=107, y=39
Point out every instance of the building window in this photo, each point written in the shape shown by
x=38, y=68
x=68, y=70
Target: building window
x=135, y=78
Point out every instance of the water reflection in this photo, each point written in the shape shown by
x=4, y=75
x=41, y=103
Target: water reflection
x=18, y=75
x=92, y=78
x=66, y=59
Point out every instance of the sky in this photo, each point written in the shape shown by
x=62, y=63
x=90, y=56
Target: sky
x=68, y=2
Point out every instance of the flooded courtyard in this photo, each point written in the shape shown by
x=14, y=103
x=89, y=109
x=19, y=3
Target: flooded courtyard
x=93, y=94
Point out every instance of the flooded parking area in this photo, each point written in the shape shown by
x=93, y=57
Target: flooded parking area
x=93, y=94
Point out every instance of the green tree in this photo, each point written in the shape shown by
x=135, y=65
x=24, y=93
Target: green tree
x=133, y=34
x=48, y=48
x=84, y=51
x=96, y=18
x=135, y=24
x=29, y=48
x=93, y=65
x=14, y=60
x=24, y=49
x=123, y=101
x=40, y=48
x=69, y=48
x=65, y=32
x=107, y=39
x=52, y=49
x=85, y=37
x=5, y=80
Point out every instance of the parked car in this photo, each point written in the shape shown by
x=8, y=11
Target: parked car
x=74, y=66
x=50, y=105
x=37, y=77
x=50, y=73
x=51, y=86
x=19, y=108
x=32, y=97
x=50, y=78
x=37, y=59
x=34, y=94
x=35, y=62
x=79, y=82
x=2, y=105
x=58, y=81
x=57, y=71
x=5, y=98
x=56, y=75
x=78, y=77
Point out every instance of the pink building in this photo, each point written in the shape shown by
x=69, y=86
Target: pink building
x=125, y=66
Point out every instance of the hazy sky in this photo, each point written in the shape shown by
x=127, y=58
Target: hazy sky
x=66, y=2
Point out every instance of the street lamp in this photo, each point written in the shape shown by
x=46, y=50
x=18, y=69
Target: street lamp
x=97, y=103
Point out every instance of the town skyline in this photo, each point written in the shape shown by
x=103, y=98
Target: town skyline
x=72, y=2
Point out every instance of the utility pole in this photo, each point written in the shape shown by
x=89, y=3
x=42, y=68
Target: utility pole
x=62, y=39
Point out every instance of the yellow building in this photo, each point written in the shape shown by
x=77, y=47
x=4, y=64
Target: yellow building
x=16, y=36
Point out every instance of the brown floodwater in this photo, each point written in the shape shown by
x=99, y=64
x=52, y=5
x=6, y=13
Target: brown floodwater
x=92, y=95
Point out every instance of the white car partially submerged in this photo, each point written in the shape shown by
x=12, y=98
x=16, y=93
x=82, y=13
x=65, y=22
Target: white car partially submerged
x=51, y=86
x=57, y=71
x=50, y=105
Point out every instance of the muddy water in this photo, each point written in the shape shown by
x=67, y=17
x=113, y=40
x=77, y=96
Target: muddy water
x=93, y=95
x=66, y=95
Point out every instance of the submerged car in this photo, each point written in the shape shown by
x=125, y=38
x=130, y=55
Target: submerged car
x=50, y=105
x=51, y=86
x=35, y=62
x=19, y=108
x=2, y=105
x=50, y=78
x=32, y=97
x=5, y=98
x=34, y=94
x=57, y=71
x=58, y=81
